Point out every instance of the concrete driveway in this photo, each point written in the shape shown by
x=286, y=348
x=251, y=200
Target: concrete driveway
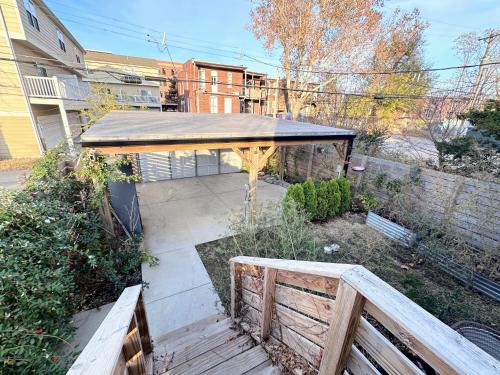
x=177, y=215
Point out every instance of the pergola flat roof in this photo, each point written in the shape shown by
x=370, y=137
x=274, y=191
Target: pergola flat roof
x=141, y=128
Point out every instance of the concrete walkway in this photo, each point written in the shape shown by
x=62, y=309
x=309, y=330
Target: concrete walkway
x=13, y=179
x=177, y=215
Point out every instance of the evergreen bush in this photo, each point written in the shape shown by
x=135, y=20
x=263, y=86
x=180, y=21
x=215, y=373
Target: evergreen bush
x=345, y=194
x=311, y=201
x=323, y=209
x=333, y=198
x=296, y=193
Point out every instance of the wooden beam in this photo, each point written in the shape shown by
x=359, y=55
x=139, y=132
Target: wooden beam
x=346, y=314
x=263, y=158
x=268, y=301
x=132, y=149
x=241, y=154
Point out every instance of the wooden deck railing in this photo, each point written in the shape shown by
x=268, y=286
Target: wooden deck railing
x=121, y=344
x=339, y=316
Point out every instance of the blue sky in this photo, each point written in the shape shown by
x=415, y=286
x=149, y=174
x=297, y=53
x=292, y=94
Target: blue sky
x=217, y=30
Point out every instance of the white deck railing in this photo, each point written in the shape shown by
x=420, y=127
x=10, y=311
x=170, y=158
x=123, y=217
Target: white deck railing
x=58, y=87
x=147, y=100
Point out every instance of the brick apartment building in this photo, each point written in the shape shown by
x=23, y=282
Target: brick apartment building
x=168, y=70
x=210, y=87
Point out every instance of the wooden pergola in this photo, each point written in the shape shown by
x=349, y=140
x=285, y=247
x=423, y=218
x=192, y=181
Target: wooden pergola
x=254, y=138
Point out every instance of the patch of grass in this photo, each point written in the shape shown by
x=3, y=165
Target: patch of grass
x=405, y=270
x=17, y=164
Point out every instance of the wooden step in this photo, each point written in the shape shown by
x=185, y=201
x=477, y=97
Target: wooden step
x=214, y=357
x=191, y=335
x=194, y=350
x=210, y=346
x=241, y=363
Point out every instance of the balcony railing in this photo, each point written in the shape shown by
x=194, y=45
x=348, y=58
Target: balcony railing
x=57, y=87
x=253, y=93
x=140, y=100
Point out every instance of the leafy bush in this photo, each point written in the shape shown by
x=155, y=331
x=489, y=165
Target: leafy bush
x=345, y=194
x=311, y=200
x=323, y=207
x=366, y=202
x=333, y=198
x=54, y=260
x=296, y=193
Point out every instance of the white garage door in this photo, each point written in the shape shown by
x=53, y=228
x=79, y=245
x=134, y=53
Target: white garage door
x=52, y=130
x=157, y=166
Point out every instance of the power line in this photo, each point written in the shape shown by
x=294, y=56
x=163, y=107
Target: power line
x=369, y=95
x=377, y=73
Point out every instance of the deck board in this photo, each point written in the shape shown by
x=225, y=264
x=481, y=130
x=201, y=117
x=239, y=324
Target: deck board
x=211, y=346
x=241, y=363
x=214, y=357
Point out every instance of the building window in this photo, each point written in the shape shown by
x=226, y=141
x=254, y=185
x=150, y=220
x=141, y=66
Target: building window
x=78, y=59
x=31, y=11
x=213, y=104
x=163, y=71
x=41, y=71
x=60, y=37
x=229, y=80
x=201, y=78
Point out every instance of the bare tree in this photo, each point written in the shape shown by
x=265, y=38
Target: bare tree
x=315, y=35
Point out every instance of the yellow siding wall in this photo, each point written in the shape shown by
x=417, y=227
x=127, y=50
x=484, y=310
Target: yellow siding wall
x=17, y=137
x=10, y=13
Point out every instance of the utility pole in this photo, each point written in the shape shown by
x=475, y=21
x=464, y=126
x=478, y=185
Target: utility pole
x=484, y=59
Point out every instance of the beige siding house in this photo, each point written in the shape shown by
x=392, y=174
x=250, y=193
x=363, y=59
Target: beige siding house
x=123, y=76
x=41, y=85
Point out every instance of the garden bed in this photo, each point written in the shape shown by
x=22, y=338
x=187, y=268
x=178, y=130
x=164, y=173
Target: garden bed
x=402, y=268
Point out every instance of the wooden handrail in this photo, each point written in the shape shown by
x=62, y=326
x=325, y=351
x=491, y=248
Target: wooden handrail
x=121, y=342
x=300, y=319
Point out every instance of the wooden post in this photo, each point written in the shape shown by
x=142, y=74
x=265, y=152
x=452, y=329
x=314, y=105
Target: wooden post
x=256, y=161
x=143, y=325
x=133, y=351
x=346, y=314
x=310, y=162
x=282, y=163
x=268, y=301
x=235, y=270
x=252, y=179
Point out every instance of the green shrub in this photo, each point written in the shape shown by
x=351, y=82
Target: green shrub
x=333, y=198
x=54, y=261
x=295, y=193
x=345, y=194
x=365, y=202
x=323, y=208
x=311, y=201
